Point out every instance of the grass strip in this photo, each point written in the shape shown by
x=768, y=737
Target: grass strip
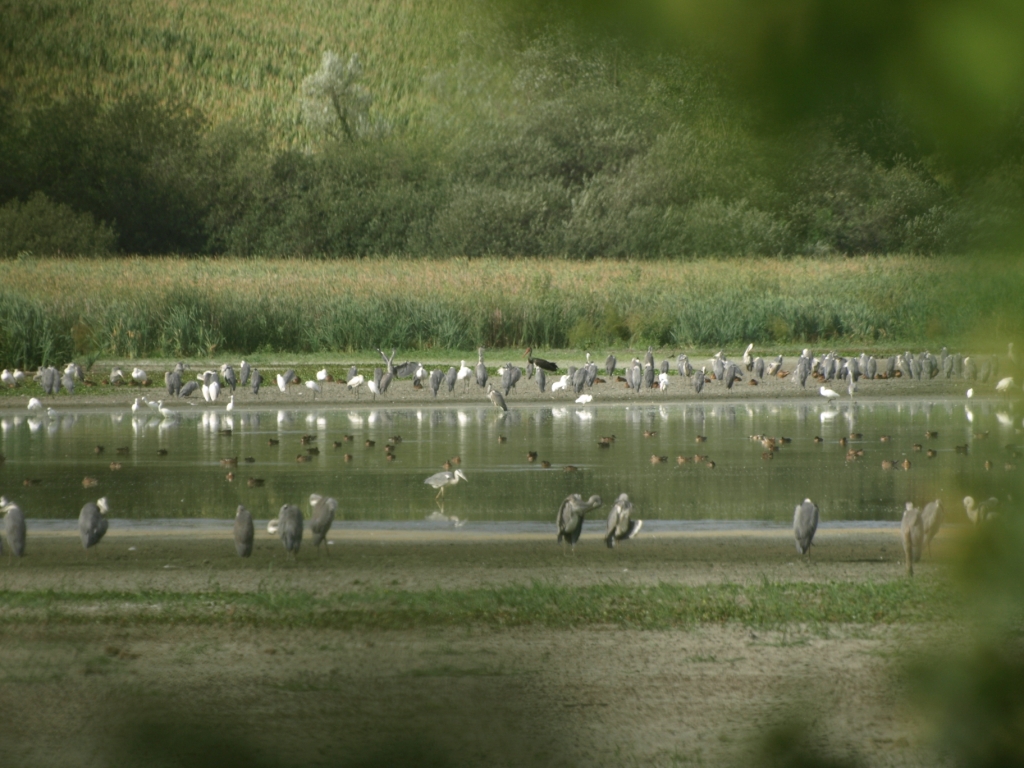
x=642, y=607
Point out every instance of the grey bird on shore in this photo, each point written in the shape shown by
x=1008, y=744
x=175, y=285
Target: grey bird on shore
x=495, y=397
x=805, y=523
x=243, y=532
x=620, y=523
x=912, y=535
x=14, y=526
x=570, y=517
x=288, y=526
x=322, y=517
x=481, y=369
x=92, y=522
x=257, y=379
x=931, y=519
x=609, y=365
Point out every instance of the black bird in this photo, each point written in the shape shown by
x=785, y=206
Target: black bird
x=547, y=365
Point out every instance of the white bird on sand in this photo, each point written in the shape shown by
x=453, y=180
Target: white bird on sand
x=464, y=373
x=139, y=375
x=313, y=386
x=355, y=383
x=374, y=389
x=663, y=382
x=831, y=394
x=584, y=399
x=982, y=512
x=7, y=378
x=1004, y=384
x=34, y=404
x=214, y=390
x=321, y=375
x=19, y=376
x=560, y=384
x=281, y=383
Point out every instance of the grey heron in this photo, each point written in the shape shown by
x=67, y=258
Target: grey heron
x=288, y=526
x=609, y=365
x=322, y=517
x=436, y=376
x=495, y=397
x=257, y=379
x=14, y=526
x=243, y=532
x=620, y=523
x=732, y=374
x=188, y=388
x=570, y=517
x=912, y=534
x=698, y=379
x=450, y=378
x=718, y=366
x=227, y=372
x=243, y=370
x=481, y=369
x=683, y=364
x=542, y=380
x=173, y=381
x=931, y=519
x=759, y=367
x=805, y=523
x=442, y=480
x=92, y=522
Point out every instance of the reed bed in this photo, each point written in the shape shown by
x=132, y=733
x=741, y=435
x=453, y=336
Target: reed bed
x=55, y=309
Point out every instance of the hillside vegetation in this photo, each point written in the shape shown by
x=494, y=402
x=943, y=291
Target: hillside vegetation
x=449, y=128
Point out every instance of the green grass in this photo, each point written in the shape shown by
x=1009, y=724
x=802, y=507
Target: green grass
x=54, y=309
x=659, y=607
x=234, y=59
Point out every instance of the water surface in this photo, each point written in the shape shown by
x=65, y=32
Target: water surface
x=58, y=451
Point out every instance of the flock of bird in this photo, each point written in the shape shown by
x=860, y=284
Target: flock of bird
x=637, y=375
x=918, y=526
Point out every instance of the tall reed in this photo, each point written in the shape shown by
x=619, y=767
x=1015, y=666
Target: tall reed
x=51, y=309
